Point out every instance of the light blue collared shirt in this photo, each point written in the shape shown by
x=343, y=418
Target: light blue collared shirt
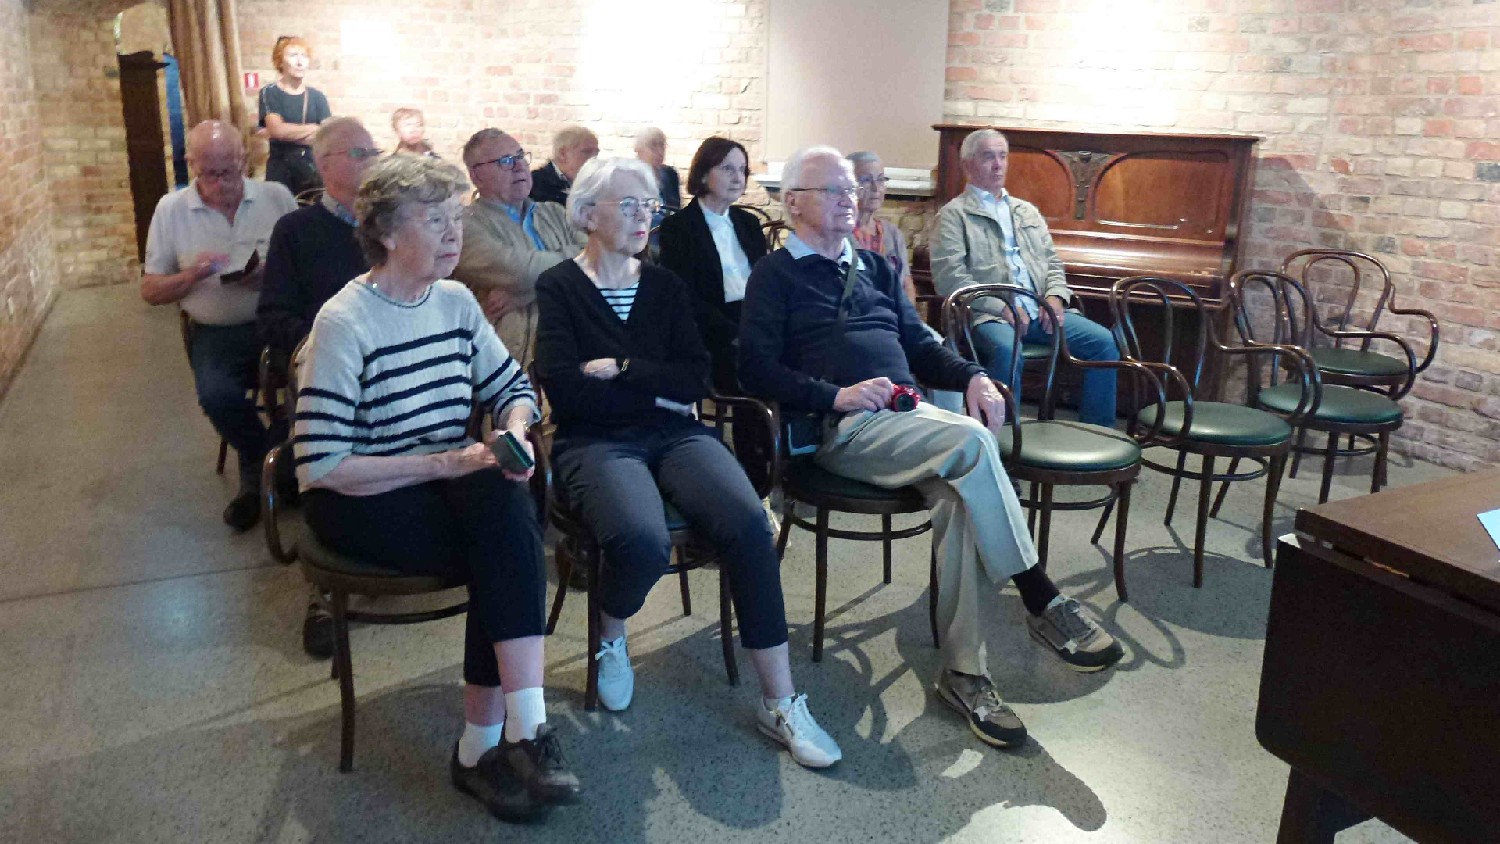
x=337, y=209
x=998, y=207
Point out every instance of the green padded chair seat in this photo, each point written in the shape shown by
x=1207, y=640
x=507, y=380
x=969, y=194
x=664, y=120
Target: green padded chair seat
x=319, y=556
x=1339, y=404
x=1035, y=351
x=1355, y=362
x=1222, y=424
x=805, y=479
x=1071, y=447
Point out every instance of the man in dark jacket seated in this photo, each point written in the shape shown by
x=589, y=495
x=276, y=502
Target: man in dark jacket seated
x=311, y=256
x=795, y=349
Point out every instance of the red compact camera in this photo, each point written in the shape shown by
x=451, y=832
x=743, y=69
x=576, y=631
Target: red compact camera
x=904, y=398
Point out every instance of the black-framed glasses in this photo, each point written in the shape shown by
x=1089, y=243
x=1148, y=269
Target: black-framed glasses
x=867, y=182
x=832, y=194
x=509, y=162
x=631, y=206
x=360, y=153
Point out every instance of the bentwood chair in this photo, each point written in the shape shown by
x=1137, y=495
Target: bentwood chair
x=1337, y=409
x=1345, y=356
x=339, y=576
x=1048, y=452
x=689, y=552
x=1208, y=429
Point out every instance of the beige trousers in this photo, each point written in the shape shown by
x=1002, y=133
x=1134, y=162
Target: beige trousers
x=977, y=522
x=517, y=331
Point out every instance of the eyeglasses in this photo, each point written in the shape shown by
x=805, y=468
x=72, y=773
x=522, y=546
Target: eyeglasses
x=224, y=175
x=438, y=222
x=833, y=194
x=360, y=153
x=508, y=162
x=631, y=206
x=868, y=182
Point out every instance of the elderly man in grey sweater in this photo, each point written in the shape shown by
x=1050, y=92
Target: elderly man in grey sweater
x=509, y=240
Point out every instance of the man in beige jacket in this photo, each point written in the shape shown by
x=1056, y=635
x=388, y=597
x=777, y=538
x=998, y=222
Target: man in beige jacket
x=986, y=236
x=509, y=240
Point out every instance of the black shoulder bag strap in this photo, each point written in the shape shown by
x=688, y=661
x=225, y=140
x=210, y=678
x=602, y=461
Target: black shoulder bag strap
x=804, y=430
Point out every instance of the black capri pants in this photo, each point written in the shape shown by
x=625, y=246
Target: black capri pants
x=617, y=486
x=481, y=526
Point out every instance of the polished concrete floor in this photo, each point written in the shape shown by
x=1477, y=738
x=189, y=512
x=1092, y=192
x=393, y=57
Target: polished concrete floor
x=154, y=689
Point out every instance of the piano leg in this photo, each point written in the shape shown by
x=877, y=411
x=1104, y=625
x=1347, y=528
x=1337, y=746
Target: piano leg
x=1312, y=814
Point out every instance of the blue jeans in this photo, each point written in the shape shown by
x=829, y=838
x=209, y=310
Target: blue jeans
x=225, y=360
x=1085, y=339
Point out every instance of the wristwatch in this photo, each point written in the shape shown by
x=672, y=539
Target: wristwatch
x=622, y=364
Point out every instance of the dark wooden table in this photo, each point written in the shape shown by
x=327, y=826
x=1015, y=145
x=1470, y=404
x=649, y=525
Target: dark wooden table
x=1381, y=681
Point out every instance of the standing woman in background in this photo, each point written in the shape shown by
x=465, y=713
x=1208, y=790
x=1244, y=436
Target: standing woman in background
x=290, y=112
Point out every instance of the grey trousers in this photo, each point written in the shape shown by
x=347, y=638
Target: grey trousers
x=978, y=526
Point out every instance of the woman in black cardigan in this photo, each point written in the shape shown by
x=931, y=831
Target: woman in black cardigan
x=712, y=245
x=621, y=362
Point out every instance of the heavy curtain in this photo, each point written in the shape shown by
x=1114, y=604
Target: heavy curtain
x=206, y=41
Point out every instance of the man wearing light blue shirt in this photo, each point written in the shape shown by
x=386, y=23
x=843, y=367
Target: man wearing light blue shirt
x=987, y=236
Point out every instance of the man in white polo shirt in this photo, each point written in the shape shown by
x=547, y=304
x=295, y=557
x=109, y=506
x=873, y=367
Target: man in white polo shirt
x=205, y=252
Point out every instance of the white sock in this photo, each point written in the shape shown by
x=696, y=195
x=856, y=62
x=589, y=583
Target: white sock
x=774, y=703
x=1055, y=602
x=477, y=740
x=525, y=710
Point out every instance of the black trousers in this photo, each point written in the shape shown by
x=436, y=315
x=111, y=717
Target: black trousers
x=618, y=486
x=481, y=526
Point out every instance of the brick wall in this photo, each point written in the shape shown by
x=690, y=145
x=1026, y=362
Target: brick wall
x=83, y=137
x=531, y=66
x=28, y=273
x=1379, y=120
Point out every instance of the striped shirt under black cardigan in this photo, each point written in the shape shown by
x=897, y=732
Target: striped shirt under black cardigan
x=381, y=378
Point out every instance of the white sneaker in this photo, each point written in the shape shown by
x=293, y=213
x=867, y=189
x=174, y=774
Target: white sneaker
x=616, y=677
x=794, y=726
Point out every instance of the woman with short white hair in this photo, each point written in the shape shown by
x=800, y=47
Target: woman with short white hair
x=622, y=363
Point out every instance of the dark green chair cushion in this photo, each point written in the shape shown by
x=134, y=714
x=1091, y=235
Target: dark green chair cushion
x=1035, y=351
x=1355, y=362
x=1339, y=404
x=807, y=481
x=1071, y=447
x=316, y=555
x=1222, y=424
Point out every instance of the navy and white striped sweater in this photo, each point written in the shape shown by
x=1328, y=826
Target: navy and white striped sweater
x=382, y=378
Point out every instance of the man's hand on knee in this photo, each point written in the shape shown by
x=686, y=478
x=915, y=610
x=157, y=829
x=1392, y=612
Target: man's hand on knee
x=873, y=394
x=985, y=403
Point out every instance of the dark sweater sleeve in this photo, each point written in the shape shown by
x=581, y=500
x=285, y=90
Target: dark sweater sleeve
x=933, y=363
x=762, y=342
x=278, y=314
x=559, y=362
x=683, y=376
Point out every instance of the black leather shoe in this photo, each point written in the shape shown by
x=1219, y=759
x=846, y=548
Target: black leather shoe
x=317, y=633
x=243, y=511
x=539, y=764
x=492, y=783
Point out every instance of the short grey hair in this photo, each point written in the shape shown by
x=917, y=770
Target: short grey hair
x=479, y=139
x=571, y=136
x=864, y=156
x=594, y=178
x=331, y=130
x=389, y=190
x=971, y=143
x=791, y=172
x=649, y=135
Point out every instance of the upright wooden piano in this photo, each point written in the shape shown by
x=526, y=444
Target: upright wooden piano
x=1123, y=203
x=1381, y=681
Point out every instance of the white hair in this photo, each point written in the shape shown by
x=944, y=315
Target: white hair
x=333, y=128
x=649, y=135
x=571, y=136
x=791, y=172
x=594, y=179
x=971, y=143
x=864, y=156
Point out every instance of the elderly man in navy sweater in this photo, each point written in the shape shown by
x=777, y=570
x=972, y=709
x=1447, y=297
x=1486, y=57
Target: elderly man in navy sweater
x=795, y=349
x=311, y=256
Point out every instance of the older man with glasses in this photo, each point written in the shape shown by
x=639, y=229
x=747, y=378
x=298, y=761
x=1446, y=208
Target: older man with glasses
x=203, y=253
x=827, y=330
x=509, y=240
x=313, y=254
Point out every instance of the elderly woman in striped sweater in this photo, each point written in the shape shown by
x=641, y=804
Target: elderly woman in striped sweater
x=388, y=376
